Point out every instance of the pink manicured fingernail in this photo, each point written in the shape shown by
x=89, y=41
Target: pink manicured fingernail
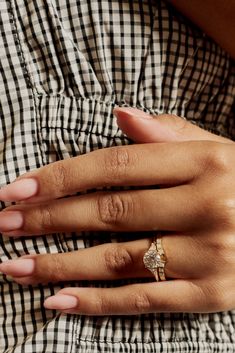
x=132, y=112
x=61, y=302
x=11, y=220
x=18, y=268
x=19, y=190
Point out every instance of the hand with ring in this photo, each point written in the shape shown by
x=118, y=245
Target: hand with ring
x=192, y=214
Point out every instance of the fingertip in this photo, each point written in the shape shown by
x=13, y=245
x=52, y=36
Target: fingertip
x=19, y=190
x=25, y=281
x=18, y=268
x=14, y=234
x=131, y=112
x=142, y=127
x=61, y=302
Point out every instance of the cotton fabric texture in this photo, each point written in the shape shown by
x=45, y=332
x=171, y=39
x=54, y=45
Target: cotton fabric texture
x=64, y=66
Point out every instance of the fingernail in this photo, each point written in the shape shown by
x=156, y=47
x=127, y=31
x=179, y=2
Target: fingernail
x=10, y=220
x=61, y=302
x=14, y=233
x=18, y=268
x=132, y=112
x=19, y=190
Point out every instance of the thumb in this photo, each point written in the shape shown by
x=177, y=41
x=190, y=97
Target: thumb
x=144, y=128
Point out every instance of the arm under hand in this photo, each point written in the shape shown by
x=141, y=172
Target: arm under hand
x=215, y=17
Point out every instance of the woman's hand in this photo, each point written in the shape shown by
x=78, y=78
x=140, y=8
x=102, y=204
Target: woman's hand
x=195, y=208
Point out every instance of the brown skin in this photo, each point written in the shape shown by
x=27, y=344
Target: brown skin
x=195, y=208
x=196, y=204
x=215, y=17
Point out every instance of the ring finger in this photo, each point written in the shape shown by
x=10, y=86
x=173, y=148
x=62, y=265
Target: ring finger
x=108, y=262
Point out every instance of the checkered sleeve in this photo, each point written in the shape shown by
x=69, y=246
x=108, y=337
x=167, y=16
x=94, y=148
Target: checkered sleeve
x=64, y=66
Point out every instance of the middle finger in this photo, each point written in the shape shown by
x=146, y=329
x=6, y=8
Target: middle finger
x=174, y=209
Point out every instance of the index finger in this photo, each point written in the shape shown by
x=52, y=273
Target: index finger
x=146, y=164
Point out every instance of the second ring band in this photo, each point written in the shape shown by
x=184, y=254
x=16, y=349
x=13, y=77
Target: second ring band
x=154, y=259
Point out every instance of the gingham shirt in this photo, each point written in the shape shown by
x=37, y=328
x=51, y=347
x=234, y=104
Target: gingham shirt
x=64, y=65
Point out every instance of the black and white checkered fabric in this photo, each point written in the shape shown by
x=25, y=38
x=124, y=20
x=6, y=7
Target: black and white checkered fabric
x=64, y=65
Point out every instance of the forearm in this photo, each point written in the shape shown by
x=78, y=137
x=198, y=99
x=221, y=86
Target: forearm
x=215, y=17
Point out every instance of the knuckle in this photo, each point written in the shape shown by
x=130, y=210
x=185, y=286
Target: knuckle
x=114, y=208
x=59, y=176
x=141, y=302
x=223, y=245
x=215, y=209
x=179, y=124
x=217, y=159
x=101, y=304
x=216, y=302
x=46, y=218
x=117, y=259
x=117, y=161
x=216, y=297
x=55, y=268
x=227, y=212
x=49, y=268
x=206, y=210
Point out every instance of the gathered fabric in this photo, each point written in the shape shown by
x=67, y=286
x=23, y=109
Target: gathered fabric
x=64, y=66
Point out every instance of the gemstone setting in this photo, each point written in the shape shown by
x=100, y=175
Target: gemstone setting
x=153, y=260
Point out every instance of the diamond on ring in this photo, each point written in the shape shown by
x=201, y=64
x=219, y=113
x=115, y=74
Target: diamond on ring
x=154, y=260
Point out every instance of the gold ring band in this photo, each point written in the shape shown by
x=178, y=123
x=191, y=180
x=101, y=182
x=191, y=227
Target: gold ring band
x=155, y=259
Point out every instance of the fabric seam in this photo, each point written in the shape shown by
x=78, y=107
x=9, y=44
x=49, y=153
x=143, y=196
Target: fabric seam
x=154, y=342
